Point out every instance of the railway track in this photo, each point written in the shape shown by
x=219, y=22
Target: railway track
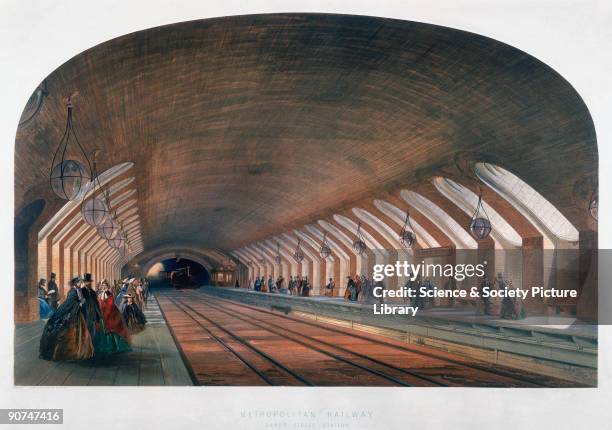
x=526, y=379
x=237, y=354
x=277, y=349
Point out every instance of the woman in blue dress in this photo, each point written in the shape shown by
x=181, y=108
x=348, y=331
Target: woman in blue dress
x=44, y=309
x=121, y=293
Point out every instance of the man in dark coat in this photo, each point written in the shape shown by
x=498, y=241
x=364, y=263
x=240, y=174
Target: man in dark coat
x=451, y=285
x=52, y=292
x=91, y=308
x=350, y=288
x=65, y=335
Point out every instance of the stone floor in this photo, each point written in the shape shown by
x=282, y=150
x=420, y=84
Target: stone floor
x=153, y=361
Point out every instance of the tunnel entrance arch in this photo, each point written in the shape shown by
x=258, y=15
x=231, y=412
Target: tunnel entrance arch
x=158, y=274
x=148, y=261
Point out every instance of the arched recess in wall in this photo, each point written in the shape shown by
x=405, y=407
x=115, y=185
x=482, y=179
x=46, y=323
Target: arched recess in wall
x=23, y=222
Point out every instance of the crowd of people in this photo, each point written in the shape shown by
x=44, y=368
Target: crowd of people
x=506, y=307
x=359, y=289
x=297, y=285
x=48, y=297
x=93, y=320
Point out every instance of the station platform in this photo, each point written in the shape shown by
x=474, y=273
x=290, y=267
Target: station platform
x=153, y=361
x=557, y=346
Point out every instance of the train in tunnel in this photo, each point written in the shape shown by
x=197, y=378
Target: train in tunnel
x=181, y=278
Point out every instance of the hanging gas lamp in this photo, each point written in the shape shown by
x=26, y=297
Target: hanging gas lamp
x=480, y=226
x=109, y=228
x=277, y=258
x=120, y=239
x=116, y=242
x=298, y=255
x=359, y=245
x=325, y=250
x=68, y=176
x=94, y=209
x=407, y=237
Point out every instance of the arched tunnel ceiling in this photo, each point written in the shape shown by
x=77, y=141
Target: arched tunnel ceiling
x=242, y=127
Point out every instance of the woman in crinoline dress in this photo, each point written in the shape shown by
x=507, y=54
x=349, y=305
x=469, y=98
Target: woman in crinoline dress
x=65, y=336
x=132, y=315
x=115, y=336
x=122, y=291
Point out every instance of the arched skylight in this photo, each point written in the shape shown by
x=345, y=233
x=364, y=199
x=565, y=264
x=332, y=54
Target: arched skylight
x=306, y=238
x=352, y=227
x=125, y=206
x=336, y=232
x=314, y=231
x=443, y=220
x=382, y=228
x=123, y=196
x=399, y=217
x=285, y=251
x=467, y=200
x=104, y=178
x=528, y=201
x=293, y=242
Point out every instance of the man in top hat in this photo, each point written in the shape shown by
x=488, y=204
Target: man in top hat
x=91, y=307
x=52, y=292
